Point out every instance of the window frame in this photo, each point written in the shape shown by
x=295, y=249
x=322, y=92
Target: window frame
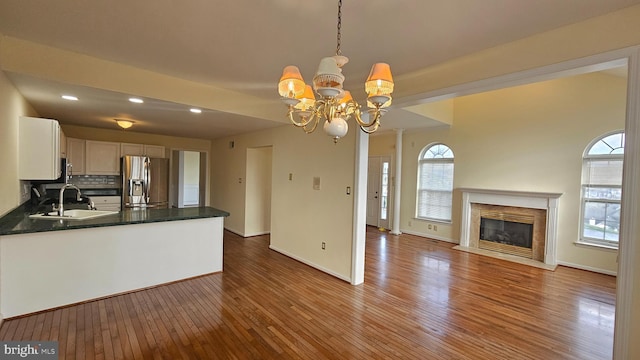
x=585, y=186
x=422, y=159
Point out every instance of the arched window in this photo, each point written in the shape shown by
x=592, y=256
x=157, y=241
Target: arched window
x=602, y=190
x=435, y=183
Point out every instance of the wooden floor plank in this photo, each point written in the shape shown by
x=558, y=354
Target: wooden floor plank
x=421, y=300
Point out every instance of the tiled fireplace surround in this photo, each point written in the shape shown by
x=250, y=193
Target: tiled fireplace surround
x=475, y=201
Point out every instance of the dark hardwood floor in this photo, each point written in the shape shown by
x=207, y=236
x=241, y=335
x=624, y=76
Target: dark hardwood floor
x=420, y=300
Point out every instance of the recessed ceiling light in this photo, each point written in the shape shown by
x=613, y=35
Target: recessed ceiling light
x=195, y=111
x=70, y=97
x=136, y=100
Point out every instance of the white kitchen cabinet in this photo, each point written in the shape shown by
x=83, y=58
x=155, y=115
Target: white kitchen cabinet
x=154, y=151
x=102, y=158
x=63, y=145
x=131, y=149
x=38, y=149
x=76, y=155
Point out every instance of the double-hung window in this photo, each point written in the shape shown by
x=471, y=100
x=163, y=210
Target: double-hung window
x=602, y=190
x=435, y=183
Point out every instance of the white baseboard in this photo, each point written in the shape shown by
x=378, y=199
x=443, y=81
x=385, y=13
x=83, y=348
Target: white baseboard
x=239, y=233
x=313, y=265
x=430, y=236
x=588, y=268
x=257, y=233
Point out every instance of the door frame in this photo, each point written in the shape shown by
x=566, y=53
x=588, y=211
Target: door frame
x=379, y=221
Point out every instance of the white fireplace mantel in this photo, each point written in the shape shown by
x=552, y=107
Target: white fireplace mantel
x=524, y=199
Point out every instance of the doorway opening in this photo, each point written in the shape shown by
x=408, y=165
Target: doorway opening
x=258, y=191
x=188, y=178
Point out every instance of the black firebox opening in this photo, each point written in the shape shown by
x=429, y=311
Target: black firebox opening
x=506, y=232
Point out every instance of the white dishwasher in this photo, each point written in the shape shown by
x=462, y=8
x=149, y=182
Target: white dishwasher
x=110, y=203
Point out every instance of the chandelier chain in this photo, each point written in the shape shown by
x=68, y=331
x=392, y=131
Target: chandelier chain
x=339, y=26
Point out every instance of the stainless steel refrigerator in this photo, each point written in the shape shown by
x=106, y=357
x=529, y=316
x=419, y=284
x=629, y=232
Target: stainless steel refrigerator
x=145, y=182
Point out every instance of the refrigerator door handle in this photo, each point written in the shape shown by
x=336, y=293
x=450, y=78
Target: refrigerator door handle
x=147, y=180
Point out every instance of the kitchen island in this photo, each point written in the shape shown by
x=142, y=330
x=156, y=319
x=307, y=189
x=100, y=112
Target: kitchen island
x=46, y=264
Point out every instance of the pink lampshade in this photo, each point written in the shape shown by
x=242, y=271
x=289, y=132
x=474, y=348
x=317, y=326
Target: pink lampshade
x=346, y=98
x=380, y=81
x=307, y=99
x=380, y=71
x=291, y=84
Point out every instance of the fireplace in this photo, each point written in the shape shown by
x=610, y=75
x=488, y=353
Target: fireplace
x=513, y=225
x=507, y=229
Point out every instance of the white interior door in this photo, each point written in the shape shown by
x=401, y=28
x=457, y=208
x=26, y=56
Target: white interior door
x=373, y=191
x=378, y=191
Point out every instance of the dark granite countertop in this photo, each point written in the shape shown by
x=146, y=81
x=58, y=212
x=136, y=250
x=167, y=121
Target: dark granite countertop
x=18, y=221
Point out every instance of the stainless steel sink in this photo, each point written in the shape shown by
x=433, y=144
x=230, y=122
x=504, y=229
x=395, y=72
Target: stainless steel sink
x=75, y=214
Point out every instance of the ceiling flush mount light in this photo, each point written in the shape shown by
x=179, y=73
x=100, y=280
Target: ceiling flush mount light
x=125, y=124
x=335, y=104
x=136, y=100
x=70, y=97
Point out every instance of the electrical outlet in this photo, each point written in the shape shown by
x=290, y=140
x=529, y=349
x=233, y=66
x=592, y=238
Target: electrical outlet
x=290, y=176
x=435, y=227
x=323, y=245
x=409, y=222
x=429, y=226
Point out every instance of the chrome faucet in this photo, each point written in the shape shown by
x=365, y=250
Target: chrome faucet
x=60, y=208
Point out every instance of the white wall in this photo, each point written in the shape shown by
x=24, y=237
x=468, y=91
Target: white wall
x=528, y=138
x=12, y=106
x=301, y=218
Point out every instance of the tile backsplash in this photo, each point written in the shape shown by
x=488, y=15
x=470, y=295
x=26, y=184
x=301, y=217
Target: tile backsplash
x=106, y=181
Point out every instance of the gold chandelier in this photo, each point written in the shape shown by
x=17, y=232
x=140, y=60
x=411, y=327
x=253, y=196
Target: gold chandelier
x=335, y=104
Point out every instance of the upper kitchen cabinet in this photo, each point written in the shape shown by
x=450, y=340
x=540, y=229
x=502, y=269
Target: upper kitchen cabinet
x=38, y=149
x=76, y=155
x=131, y=149
x=154, y=151
x=102, y=158
x=63, y=145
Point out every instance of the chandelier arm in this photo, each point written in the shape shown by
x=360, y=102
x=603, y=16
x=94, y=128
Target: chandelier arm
x=376, y=119
x=370, y=130
x=315, y=124
x=302, y=123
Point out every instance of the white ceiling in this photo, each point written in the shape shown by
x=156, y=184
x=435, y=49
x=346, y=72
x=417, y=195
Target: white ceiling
x=242, y=45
